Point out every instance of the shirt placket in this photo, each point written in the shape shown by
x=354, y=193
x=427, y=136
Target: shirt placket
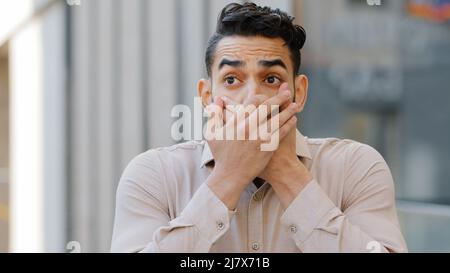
x=255, y=242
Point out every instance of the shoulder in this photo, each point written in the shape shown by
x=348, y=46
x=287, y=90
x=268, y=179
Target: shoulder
x=159, y=159
x=344, y=150
x=358, y=169
x=151, y=174
x=349, y=163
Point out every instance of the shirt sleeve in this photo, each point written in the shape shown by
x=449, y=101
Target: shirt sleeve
x=142, y=222
x=367, y=221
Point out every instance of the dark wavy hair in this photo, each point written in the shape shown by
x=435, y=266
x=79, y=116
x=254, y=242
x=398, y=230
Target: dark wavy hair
x=249, y=19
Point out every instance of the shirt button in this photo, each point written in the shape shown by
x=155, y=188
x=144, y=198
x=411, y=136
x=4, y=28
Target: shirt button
x=293, y=228
x=255, y=246
x=220, y=226
x=257, y=197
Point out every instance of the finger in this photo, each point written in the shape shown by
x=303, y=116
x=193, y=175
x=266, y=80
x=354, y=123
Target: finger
x=252, y=100
x=239, y=114
x=271, y=107
x=287, y=113
x=284, y=87
x=278, y=120
x=214, y=124
x=219, y=102
x=272, y=142
x=215, y=109
x=230, y=107
x=290, y=125
x=228, y=101
x=277, y=100
x=243, y=111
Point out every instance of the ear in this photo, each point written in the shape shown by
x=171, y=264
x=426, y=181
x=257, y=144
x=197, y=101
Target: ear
x=204, y=91
x=301, y=90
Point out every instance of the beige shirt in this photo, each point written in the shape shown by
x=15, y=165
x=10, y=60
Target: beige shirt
x=163, y=205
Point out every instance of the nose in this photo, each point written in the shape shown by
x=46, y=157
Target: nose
x=253, y=89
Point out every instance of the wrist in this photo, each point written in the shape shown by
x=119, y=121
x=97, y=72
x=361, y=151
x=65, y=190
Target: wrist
x=292, y=171
x=227, y=187
x=234, y=176
x=293, y=180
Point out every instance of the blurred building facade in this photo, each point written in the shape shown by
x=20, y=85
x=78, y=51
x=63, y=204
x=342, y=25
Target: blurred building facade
x=379, y=75
x=89, y=84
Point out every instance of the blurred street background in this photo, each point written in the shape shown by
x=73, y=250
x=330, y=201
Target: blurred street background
x=86, y=85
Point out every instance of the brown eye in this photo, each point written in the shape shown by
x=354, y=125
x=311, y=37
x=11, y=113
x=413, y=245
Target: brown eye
x=231, y=80
x=272, y=80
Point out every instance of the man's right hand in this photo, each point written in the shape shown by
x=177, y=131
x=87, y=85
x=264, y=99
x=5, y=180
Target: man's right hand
x=238, y=162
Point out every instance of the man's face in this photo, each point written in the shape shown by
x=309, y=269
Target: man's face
x=248, y=66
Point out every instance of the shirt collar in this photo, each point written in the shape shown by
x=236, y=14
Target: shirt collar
x=301, y=148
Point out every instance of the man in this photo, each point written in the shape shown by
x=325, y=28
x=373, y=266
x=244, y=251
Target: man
x=307, y=195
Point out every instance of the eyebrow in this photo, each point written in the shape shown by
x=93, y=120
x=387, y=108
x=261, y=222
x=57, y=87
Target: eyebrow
x=233, y=63
x=271, y=63
x=265, y=63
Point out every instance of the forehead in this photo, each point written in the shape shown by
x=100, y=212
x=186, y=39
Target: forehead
x=251, y=48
